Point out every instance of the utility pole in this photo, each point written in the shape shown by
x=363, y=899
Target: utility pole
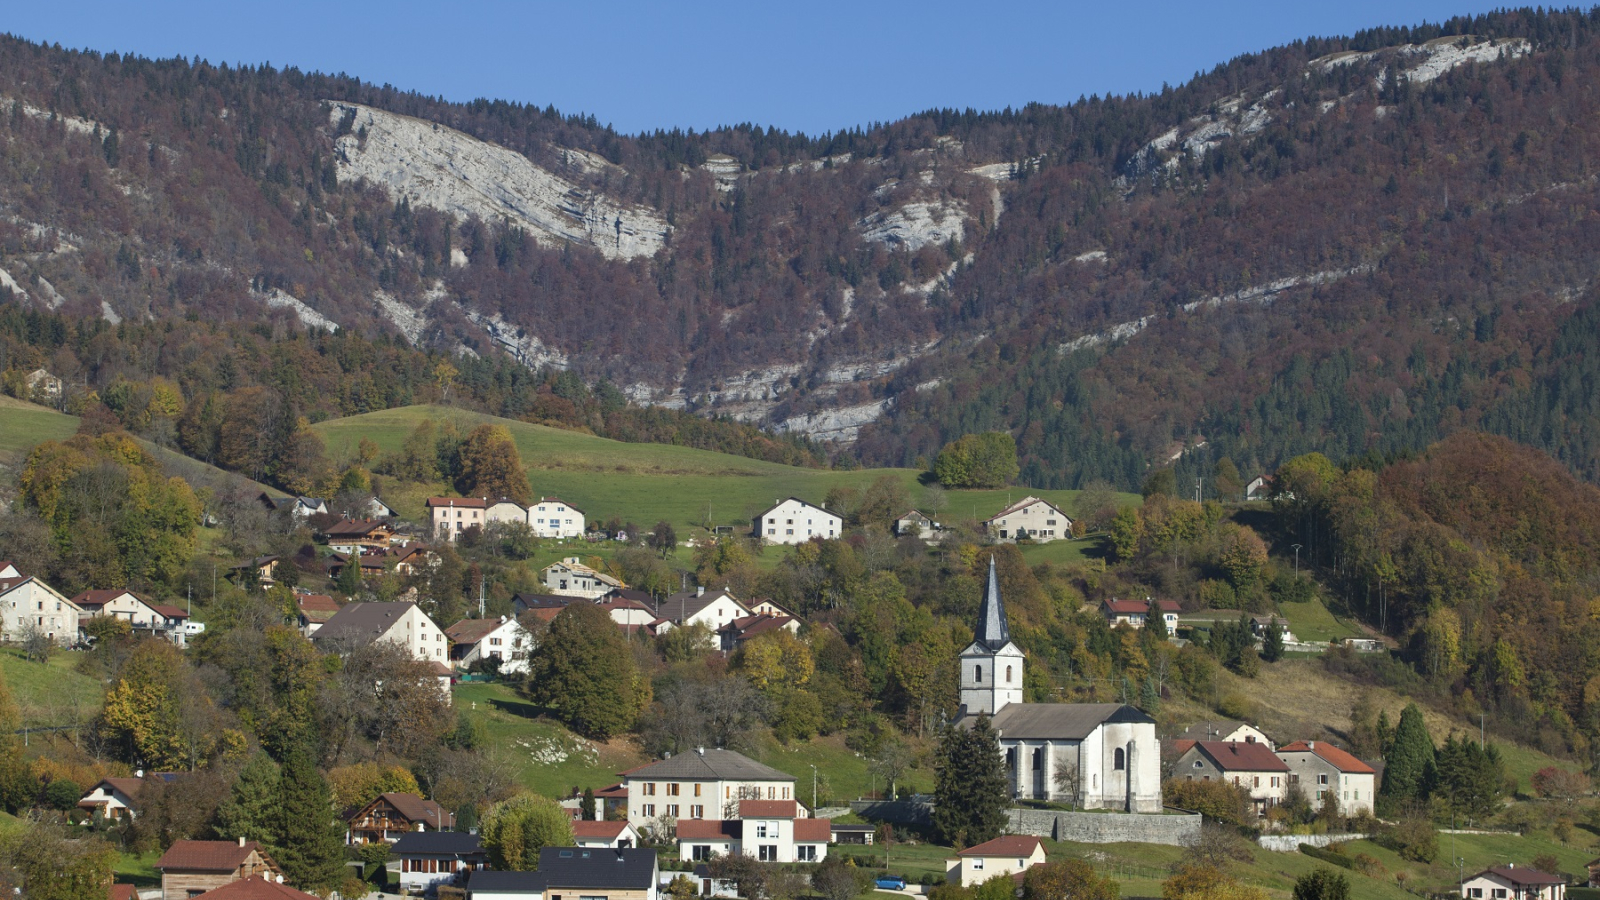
x=1297, y=560
x=813, y=788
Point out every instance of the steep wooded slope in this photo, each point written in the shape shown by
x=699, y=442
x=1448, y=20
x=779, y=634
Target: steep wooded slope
x=1348, y=245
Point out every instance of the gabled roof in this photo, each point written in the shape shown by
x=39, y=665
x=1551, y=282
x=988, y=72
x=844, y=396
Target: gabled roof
x=555, y=500
x=1520, y=875
x=1022, y=504
x=1241, y=756
x=257, y=888
x=913, y=513
x=540, y=601
x=819, y=509
x=750, y=626
x=813, y=829
x=7, y=585
x=769, y=809
x=127, y=787
x=359, y=624
x=471, y=631
x=599, y=868
x=438, y=843
x=1331, y=755
x=709, y=829
x=463, y=502
x=992, y=631
x=685, y=605
x=122, y=892
x=1066, y=721
x=1211, y=729
x=708, y=765
x=609, y=831
x=170, y=612
x=98, y=598
x=207, y=856
x=416, y=809
x=356, y=527
x=1004, y=845
x=1139, y=607
x=316, y=607
x=618, y=791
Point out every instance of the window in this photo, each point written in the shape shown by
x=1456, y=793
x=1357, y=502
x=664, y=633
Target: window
x=697, y=790
x=648, y=810
x=649, y=789
x=762, y=830
x=673, y=788
x=806, y=853
x=772, y=793
x=977, y=862
x=701, y=853
x=768, y=852
x=1198, y=764
x=786, y=793
x=977, y=674
x=1008, y=674
x=1255, y=781
x=772, y=521
x=1119, y=760
x=672, y=810
x=697, y=812
x=1474, y=892
x=1499, y=893
x=1322, y=779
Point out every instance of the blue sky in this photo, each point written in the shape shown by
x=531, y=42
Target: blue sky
x=815, y=66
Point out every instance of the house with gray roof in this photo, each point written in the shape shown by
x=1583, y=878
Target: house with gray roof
x=713, y=609
x=598, y=873
x=1091, y=755
x=356, y=625
x=704, y=784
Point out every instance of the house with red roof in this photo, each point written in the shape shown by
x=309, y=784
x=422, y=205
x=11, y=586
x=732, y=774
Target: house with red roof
x=769, y=830
x=257, y=887
x=449, y=516
x=1009, y=854
x=1319, y=767
x=1038, y=520
x=113, y=799
x=1515, y=883
x=191, y=868
x=1134, y=613
x=8, y=569
x=388, y=816
x=734, y=634
x=146, y=617
x=1252, y=766
x=616, y=835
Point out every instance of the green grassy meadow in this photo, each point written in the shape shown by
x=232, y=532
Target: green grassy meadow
x=53, y=693
x=24, y=424
x=647, y=483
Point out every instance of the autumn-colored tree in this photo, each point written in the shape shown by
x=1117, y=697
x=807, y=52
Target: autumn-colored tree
x=157, y=712
x=515, y=830
x=358, y=784
x=51, y=864
x=491, y=466
x=775, y=661
x=1204, y=882
x=986, y=460
x=1071, y=878
x=16, y=783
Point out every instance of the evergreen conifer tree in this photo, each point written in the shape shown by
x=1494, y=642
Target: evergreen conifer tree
x=1409, y=766
x=1154, y=623
x=1272, y=643
x=250, y=809
x=970, y=793
x=309, y=841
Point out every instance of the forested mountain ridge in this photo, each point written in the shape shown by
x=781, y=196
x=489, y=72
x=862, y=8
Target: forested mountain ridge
x=1346, y=245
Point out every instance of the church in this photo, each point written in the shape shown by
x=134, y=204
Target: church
x=1091, y=755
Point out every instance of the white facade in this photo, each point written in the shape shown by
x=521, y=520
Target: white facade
x=30, y=604
x=795, y=521
x=1513, y=883
x=570, y=578
x=990, y=679
x=449, y=516
x=552, y=517
x=1041, y=521
x=1318, y=768
x=503, y=510
x=1006, y=855
x=1117, y=765
x=706, y=784
x=509, y=642
x=779, y=839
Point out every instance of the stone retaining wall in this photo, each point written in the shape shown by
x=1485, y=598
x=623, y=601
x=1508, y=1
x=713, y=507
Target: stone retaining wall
x=1290, y=843
x=1084, y=827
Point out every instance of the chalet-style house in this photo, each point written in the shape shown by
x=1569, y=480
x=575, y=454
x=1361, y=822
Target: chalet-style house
x=769, y=830
x=1134, y=613
x=449, y=516
x=713, y=609
x=913, y=523
x=113, y=799
x=1008, y=854
x=552, y=517
x=264, y=567
x=1030, y=517
x=429, y=859
x=351, y=536
x=1224, y=730
x=390, y=816
x=1252, y=766
x=615, y=835
x=794, y=521
x=1094, y=755
x=29, y=605
x=502, y=639
x=571, y=578
x=1259, y=488
x=1319, y=767
x=705, y=784
x=314, y=611
x=1513, y=881
x=190, y=868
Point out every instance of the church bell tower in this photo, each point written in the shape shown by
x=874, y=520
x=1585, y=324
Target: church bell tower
x=991, y=666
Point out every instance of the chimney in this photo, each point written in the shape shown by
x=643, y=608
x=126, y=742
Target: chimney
x=700, y=750
x=700, y=591
x=1311, y=745
x=241, y=840
x=138, y=773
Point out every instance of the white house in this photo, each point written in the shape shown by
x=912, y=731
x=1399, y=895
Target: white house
x=1259, y=488
x=1319, y=767
x=616, y=835
x=1029, y=517
x=1133, y=613
x=114, y=604
x=713, y=609
x=1005, y=855
x=8, y=570
x=358, y=624
x=503, y=639
x=794, y=521
x=769, y=830
x=914, y=524
x=1092, y=755
x=28, y=605
x=552, y=517
x=113, y=798
x=1251, y=766
x=705, y=784
x=504, y=510
x=571, y=578
x=449, y=516
x=1514, y=882
x=1225, y=730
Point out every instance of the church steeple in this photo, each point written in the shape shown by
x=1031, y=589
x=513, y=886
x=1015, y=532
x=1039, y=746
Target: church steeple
x=992, y=629
x=991, y=667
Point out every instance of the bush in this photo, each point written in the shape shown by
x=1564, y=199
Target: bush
x=1328, y=856
x=62, y=794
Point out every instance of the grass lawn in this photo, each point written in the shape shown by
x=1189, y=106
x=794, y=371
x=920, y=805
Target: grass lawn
x=551, y=760
x=647, y=483
x=841, y=774
x=52, y=693
x=1313, y=621
x=138, y=869
x=1060, y=553
x=23, y=424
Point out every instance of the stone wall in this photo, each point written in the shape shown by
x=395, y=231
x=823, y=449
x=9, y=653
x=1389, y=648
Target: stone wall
x=1290, y=843
x=1084, y=827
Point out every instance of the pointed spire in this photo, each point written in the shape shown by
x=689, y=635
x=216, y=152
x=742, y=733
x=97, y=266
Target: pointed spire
x=992, y=629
